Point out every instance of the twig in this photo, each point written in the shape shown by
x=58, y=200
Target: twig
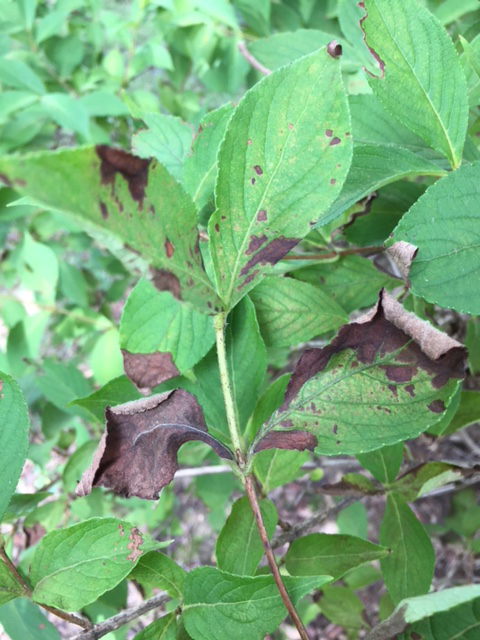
x=304, y=527
x=242, y=47
x=68, y=617
x=115, y=622
x=203, y=471
x=335, y=254
x=252, y=497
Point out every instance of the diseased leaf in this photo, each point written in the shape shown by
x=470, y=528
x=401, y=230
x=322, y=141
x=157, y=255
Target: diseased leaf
x=158, y=571
x=429, y=476
x=14, y=430
x=133, y=198
x=468, y=412
x=352, y=281
x=161, y=629
x=351, y=484
x=267, y=200
x=167, y=139
x=137, y=455
x=290, y=311
x=374, y=166
x=329, y=553
x=440, y=233
x=421, y=79
x=219, y=605
x=412, y=610
x=383, y=463
x=355, y=395
x=408, y=569
x=65, y=561
x=239, y=547
x=161, y=337
x=200, y=168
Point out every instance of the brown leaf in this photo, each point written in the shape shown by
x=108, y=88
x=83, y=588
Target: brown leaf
x=147, y=370
x=299, y=440
x=137, y=455
x=403, y=254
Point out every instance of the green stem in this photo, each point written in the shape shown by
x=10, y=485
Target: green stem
x=219, y=325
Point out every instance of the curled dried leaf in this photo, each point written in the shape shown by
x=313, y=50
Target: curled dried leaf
x=137, y=455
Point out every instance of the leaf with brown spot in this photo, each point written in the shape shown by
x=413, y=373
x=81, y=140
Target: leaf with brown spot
x=134, y=198
x=160, y=337
x=429, y=476
x=137, y=455
x=272, y=188
x=358, y=382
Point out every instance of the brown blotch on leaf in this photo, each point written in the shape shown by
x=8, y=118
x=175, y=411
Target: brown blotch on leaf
x=271, y=253
x=335, y=429
x=137, y=455
x=437, y=406
x=258, y=170
x=409, y=388
x=253, y=181
x=290, y=126
x=387, y=328
x=248, y=279
x=135, y=544
x=329, y=133
x=249, y=142
x=335, y=141
x=255, y=244
x=334, y=49
x=262, y=215
x=130, y=167
x=169, y=248
x=147, y=370
x=333, y=181
x=6, y=180
x=217, y=227
x=299, y=440
x=167, y=281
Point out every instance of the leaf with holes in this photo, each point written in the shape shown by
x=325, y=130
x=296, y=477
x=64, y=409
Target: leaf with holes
x=284, y=158
x=137, y=455
x=355, y=395
x=421, y=79
x=133, y=198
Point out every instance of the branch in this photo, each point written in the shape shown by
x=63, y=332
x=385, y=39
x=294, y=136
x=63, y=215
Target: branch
x=252, y=497
x=242, y=47
x=304, y=527
x=115, y=622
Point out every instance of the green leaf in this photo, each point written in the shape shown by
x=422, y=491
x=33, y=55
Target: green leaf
x=374, y=166
x=413, y=610
x=200, y=167
x=343, y=607
x=76, y=465
x=352, y=281
x=15, y=73
x=13, y=437
x=355, y=395
x=114, y=392
x=28, y=9
x=383, y=463
x=282, y=162
x=103, y=103
x=408, y=570
x=452, y=10
x=219, y=605
x=168, y=139
x=65, y=561
x=67, y=112
x=332, y=554
x=162, y=629
x=239, y=547
x=427, y=477
x=158, y=571
x=290, y=311
x=421, y=79
x=256, y=13
x=161, y=337
x=135, y=199
x=23, y=620
x=61, y=382
x=467, y=414
x=443, y=225
x=9, y=587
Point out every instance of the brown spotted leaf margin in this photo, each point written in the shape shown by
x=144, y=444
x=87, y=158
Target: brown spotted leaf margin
x=137, y=455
